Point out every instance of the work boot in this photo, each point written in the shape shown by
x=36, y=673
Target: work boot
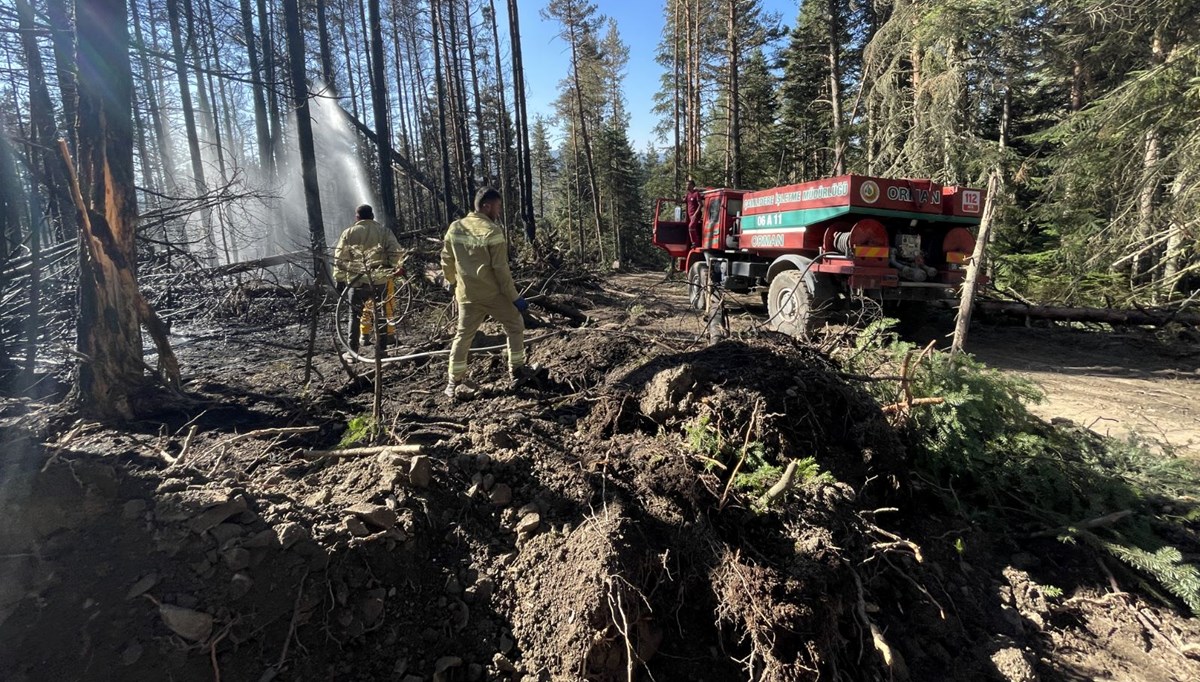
x=459, y=389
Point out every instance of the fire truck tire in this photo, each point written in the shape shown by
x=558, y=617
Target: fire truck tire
x=791, y=306
x=698, y=286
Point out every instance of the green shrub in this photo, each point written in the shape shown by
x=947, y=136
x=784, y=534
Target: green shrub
x=1004, y=468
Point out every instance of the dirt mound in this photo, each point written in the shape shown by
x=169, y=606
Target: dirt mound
x=793, y=400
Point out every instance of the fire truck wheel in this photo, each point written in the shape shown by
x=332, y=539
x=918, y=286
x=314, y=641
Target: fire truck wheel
x=790, y=305
x=698, y=286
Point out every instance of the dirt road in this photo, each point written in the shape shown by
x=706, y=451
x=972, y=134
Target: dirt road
x=1115, y=384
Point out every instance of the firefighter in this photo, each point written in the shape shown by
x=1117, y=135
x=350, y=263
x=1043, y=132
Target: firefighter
x=692, y=204
x=367, y=256
x=475, y=265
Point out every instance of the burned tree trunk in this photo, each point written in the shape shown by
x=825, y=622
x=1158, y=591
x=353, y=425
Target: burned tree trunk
x=383, y=127
x=63, y=39
x=42, y=127
x=447, y=191
x=522, y=120
x=189, y=123
x=304, y=135
x=262, y=130
x=110, y=305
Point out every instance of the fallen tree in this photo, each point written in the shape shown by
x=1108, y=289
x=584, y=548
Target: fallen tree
x=1153, y=318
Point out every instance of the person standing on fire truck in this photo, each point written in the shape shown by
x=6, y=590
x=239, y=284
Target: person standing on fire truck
x=692, y=203
x=475, y=265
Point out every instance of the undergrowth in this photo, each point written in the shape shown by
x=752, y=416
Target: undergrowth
x=1004, y=469
x=360, y=429
x=754, y=470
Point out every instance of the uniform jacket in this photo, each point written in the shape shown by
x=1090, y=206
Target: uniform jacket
x=475, y=260
x=366, y=253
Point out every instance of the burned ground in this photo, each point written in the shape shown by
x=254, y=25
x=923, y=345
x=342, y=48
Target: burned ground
x=569, y=530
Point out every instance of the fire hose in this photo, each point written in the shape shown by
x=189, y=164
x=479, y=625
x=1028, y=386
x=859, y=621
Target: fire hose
x=354, y=355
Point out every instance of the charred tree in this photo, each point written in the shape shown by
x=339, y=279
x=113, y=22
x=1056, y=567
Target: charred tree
x=383, y=127
x=304, y=137
x=42, y=127
x=327, y=74
x=62, y=37
x=440, y=81
x=270, y=80
x=262, y=129
x=189, y=123
x=106, y=203
x=501, y=124
x=522, y=120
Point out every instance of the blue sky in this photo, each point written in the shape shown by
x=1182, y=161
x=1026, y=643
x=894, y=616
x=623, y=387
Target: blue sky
x=640, y=23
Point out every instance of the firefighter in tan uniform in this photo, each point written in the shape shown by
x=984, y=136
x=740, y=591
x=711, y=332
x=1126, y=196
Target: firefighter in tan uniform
x=366, y=258
x=475, y=264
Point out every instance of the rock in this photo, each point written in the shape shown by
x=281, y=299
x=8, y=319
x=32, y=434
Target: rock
x=474, y=672
x=142, y=586
x=132, y=653
x=413, y=678
x=489, y=481
x=485, y=588
x=506, y=644
x=224, y=532
x=355, y=526
x=529, y=523
x=1014, y=666
x=188, y=624
x=501, y=495
x=261, y=539
x=503, y=664
x=236, y=558
x=483, y=460
x=530, y=508
x=376, y=515
x=420, y=471
x=240, y=585
x=318, y=498
x=132, y=510
x=209, y=519
x=453, y=586
x=474, y=490
x=289, y=533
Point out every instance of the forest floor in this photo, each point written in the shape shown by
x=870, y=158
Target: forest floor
x=582, y=527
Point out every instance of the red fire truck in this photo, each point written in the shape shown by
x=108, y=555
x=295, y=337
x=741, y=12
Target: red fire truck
x=815, y=246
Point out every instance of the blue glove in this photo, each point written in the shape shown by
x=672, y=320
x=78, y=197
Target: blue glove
x=521, y=304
